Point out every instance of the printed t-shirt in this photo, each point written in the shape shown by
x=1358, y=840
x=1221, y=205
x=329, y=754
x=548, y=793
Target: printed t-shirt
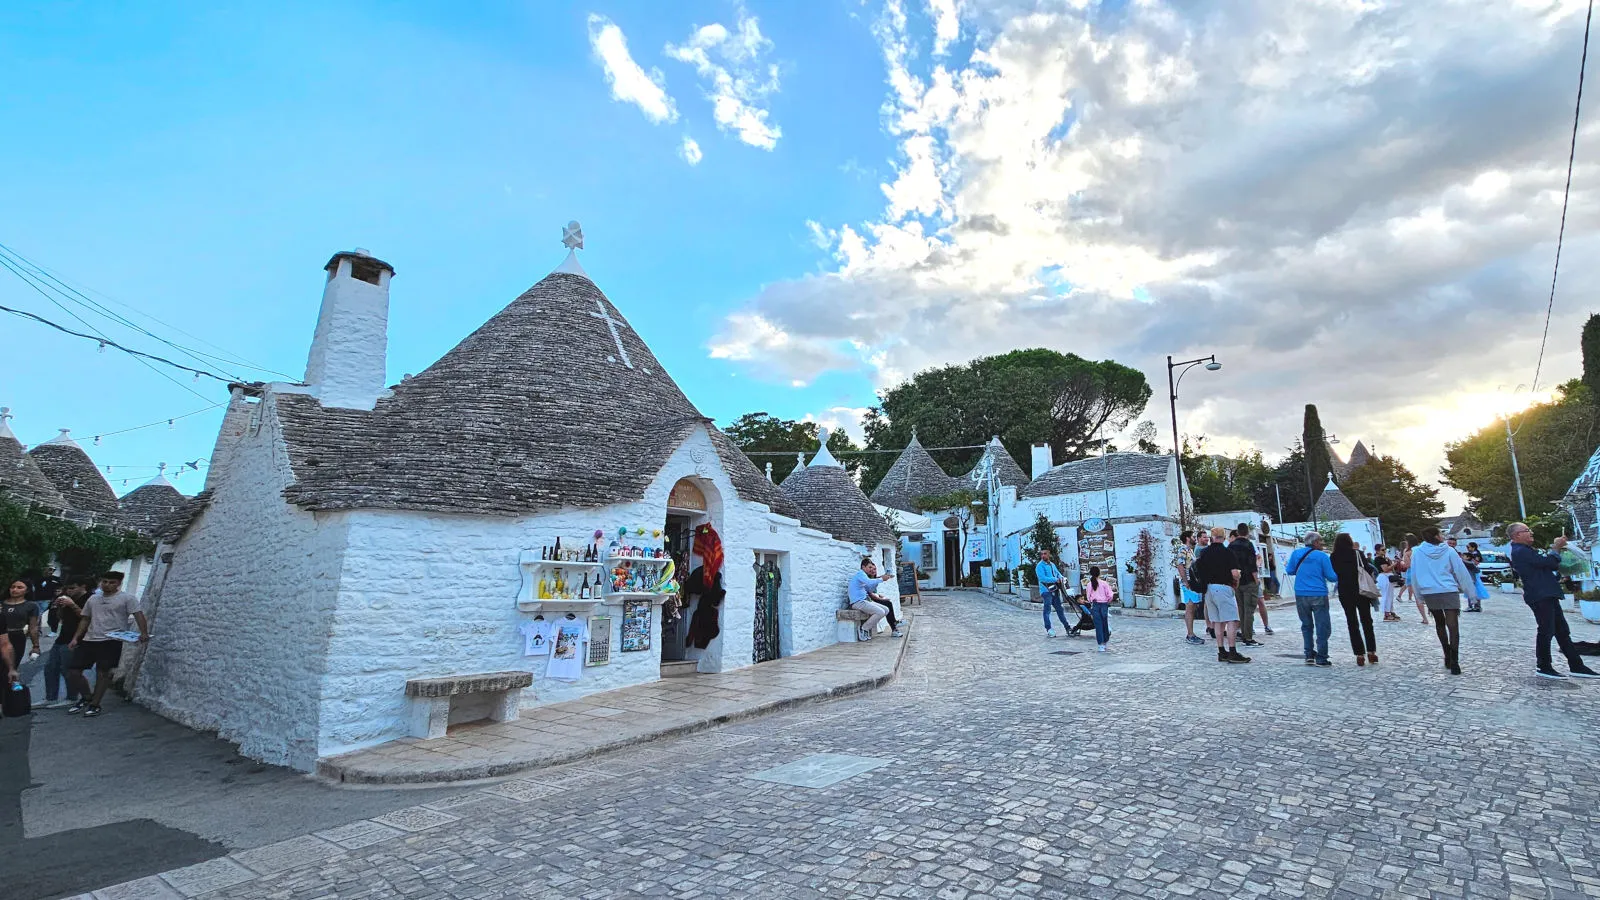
x=17, y=615
x=536, y=637
x=566, y=656
x=108, y=614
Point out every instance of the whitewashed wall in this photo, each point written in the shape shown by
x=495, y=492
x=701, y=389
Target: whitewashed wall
x=239, y=640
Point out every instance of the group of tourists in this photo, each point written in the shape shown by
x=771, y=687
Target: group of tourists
x=83, y=618
x=1219, y=577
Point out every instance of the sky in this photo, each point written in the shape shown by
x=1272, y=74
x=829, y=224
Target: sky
x=1351, y=203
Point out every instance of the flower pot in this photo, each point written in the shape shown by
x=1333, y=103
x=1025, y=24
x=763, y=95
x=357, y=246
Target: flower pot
x=1590, y=610
x=1144, y=601
x=1507, y=587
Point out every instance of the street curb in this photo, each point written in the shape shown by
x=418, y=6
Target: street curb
x=333, y=774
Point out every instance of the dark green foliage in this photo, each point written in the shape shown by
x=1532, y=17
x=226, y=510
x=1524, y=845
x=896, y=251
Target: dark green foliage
x=1023, y=396
x=1554, y=443
x=1591, y=356
x=1042, y=536
x=1386, y=489
x=28, y=541
x=1222, y=483
x=760, y=433
x=1314, y=442
x=1288, y=486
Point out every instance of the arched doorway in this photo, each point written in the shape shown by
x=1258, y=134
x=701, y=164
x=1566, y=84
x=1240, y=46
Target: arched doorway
x=692, y=502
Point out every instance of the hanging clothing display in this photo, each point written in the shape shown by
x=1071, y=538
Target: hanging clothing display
x=706, y=623
x=566, y=657
x=708, y=546
x=536, y=637
x=768, y=579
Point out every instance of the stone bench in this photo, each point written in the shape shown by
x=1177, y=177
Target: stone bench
x=849, y=625
x=438, y=703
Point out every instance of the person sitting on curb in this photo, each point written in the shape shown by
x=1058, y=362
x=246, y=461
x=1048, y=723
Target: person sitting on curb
x=1313, y=572
x=864, y=598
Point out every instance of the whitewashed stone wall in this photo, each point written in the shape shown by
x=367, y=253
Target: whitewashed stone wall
x=239, y=640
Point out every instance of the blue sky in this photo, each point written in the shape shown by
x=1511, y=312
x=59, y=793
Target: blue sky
x=201, y=167
x=1351, y=204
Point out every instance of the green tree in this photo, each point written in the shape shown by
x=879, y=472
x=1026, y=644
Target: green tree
x=1042, y=536
x=1590, y=342
x=1554, y=443
x=761, y=435
x=29, y=542
x=1385, y=488
x=1221, y=483
x=1288, y=487
x=1314, y=443
x=1024, y=396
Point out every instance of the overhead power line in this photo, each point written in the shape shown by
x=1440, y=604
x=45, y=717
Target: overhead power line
x=108, y=342
x=1566, y=194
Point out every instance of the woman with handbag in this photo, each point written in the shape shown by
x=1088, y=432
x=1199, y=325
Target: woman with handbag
x=1357, y=591
x=1386, y=580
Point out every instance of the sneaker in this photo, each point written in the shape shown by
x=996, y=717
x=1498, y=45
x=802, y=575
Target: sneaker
x=1222, y=656
x=78, y=707
x=1234, y=656
x=1310, y=661
x=1102, y=648
x=1193, y=640
x=1548, y=673
x=1324, y=663
x=1265, y=630
x=897, y=632
x=1582, y=672
x=91, y=712
x=1251, y=643
x=1049, y=632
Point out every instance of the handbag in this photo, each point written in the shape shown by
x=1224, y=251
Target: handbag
x=1366, y=585
x=18, y=701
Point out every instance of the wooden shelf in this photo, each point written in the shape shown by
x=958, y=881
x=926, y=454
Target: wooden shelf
x=531, y=558
x=538, y=605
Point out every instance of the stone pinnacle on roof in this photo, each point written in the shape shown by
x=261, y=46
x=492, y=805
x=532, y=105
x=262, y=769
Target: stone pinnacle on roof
x=572, y=239
x=824, y=457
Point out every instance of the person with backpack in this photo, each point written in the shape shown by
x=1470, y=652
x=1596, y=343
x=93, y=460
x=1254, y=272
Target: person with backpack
x=1194, y=587
x=1313, y=572
x=1357, y=590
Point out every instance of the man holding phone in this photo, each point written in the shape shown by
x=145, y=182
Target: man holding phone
x=1541, y=590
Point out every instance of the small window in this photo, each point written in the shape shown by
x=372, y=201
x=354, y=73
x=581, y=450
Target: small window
x=364, y=269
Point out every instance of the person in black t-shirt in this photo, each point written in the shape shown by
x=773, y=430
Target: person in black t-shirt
x=1219, y=571
x=67, y=610
x=1249, y=589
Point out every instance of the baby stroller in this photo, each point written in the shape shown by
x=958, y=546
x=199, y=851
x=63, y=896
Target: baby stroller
x=1085, y=620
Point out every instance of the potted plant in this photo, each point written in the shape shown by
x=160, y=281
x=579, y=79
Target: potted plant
x=1589, y=605
x=1002, y=580
x=1042, y=536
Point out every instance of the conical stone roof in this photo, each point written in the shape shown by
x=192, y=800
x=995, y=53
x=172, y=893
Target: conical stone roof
x=21, y=481
x=74, y=474
x=1359, y=456
x=1334, y=506
x=830, y=500
x=554, y=402
x=1005, y=467
x=148, y=507
x=913, y=476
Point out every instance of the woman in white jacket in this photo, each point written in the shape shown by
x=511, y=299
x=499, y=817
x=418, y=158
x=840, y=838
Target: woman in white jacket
x=1439, y=577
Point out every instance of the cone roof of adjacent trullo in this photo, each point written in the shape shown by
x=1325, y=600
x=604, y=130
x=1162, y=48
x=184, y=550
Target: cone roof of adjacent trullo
x=554, y=402
x=913, y=476
x=21, y=480
x=1334, y=506
x=148, y=507
x=830, y=500
x=1005, y=467
x=74, y=474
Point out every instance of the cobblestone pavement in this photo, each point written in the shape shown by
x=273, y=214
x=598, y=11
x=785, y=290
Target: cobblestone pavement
x=1022, y=766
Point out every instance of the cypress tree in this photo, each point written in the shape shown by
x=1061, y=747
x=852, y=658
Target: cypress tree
x=1315, y=443
x=1591, y=357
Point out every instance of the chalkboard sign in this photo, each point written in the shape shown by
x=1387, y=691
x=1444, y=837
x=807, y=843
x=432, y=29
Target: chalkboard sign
x=907, y=579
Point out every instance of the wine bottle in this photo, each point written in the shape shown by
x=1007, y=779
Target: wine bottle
x=557, y=554
x=583, y=592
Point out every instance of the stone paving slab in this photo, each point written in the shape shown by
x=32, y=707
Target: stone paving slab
x=600, y=723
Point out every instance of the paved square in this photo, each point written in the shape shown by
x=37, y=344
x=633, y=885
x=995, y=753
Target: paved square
x=820, y=770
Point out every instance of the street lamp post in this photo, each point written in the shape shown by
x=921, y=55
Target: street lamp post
x=1211, y=365
x=1511, y=444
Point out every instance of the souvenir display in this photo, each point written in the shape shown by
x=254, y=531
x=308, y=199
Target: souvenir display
x=599, y=633
x=635, y=625
x=566, y=655
x=536, y=636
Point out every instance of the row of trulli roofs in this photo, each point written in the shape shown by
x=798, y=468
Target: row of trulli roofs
x=58, y=479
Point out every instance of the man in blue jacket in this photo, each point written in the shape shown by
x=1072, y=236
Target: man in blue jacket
x=1541, y=590
x=1313, y=572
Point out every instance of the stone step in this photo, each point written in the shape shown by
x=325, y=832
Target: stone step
x=679, y=669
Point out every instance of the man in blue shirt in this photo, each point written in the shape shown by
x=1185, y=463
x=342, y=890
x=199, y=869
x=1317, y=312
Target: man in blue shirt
x=1049, y=578
x=1541, y=590
x=1313, y=572
x=864, y=598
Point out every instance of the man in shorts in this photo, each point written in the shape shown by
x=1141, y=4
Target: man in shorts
x=106, y=610
x=1220, y=573
x=1249, y=590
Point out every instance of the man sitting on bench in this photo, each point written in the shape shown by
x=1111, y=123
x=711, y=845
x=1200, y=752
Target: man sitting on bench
x=864, y=598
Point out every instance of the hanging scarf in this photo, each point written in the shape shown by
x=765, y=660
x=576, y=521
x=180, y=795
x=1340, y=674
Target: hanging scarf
x=708, y=547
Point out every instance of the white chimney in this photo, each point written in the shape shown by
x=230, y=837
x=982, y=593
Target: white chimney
x=1041, y=459
x=348, y=352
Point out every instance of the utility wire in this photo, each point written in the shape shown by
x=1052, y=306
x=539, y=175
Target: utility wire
x=857, y=452
x=167, y=421
x=1572, y=153
x=204, y=358
x=140, y=354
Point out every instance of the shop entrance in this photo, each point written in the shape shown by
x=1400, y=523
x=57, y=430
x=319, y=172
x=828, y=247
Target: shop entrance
x=679, y=539
x=952, y=559
x=767, y=642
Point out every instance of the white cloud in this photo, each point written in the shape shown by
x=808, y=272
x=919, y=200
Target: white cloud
x=946, y=24
x=736, y=78
x=630, y=83
x=1293, y=186
x=690, y=151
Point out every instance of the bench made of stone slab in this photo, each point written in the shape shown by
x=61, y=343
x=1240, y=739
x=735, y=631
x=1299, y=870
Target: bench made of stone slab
x=849, y=625
x=438, y=703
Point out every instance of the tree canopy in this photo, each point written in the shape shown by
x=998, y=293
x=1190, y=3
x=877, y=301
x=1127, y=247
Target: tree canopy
x=1024, y=396
x=759, y=434
x=29, y=542
x=1222, y=483
x=1385, y=488
x=1314, y=444
x=1554, y=443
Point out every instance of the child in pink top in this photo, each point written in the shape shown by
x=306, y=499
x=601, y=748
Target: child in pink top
x=1098, y=594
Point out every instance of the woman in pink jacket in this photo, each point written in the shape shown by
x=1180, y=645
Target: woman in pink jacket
x=1098, y=595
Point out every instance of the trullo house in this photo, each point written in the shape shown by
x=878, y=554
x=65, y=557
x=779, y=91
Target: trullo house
x=356, y=536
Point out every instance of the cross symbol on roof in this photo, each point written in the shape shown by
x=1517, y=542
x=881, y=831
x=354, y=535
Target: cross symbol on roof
x=615, y=335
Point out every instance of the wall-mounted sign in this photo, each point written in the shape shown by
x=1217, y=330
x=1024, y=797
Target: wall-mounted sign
x=952, y=523
x=687, y=495
x=1094, y=525
x=977, y=548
